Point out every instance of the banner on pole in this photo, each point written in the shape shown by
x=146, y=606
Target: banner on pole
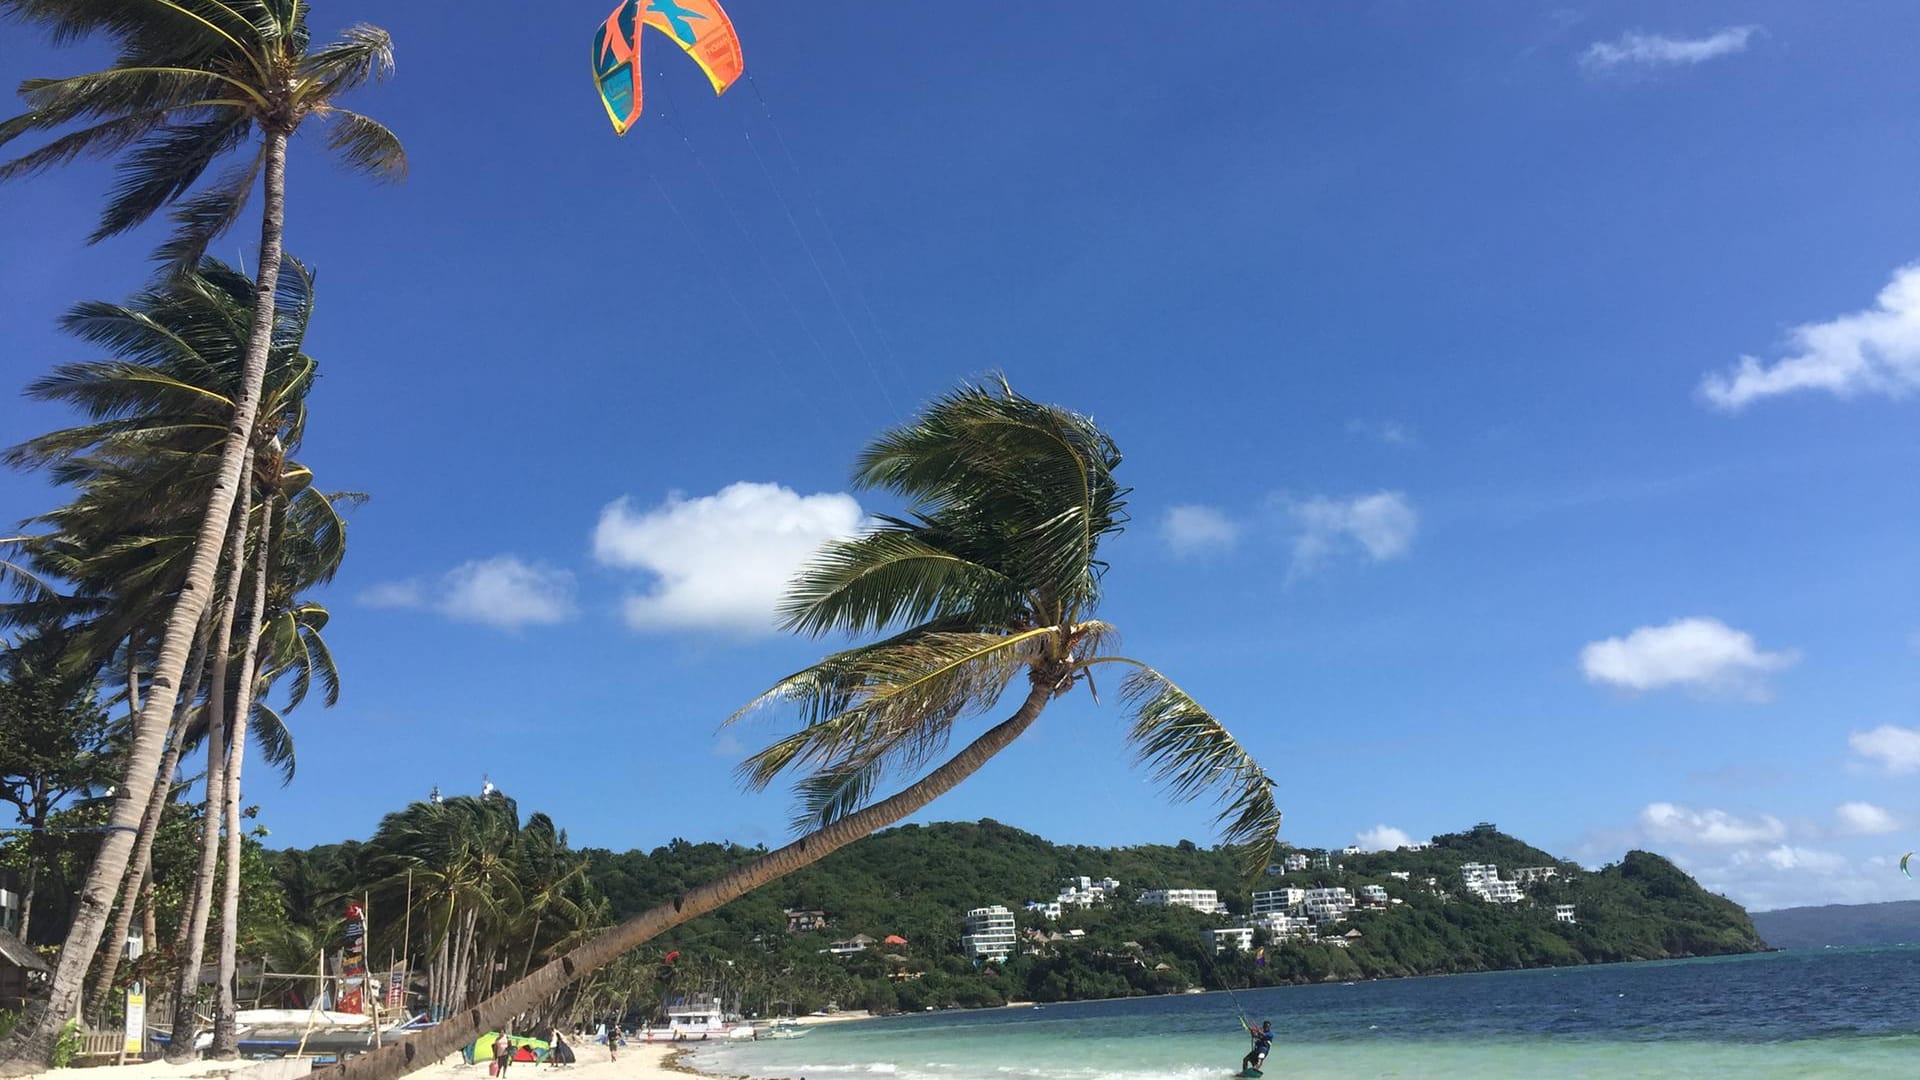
x=353, y=961
x=397, y=988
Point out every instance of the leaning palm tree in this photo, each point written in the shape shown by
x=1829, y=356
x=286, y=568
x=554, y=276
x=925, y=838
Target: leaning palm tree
x=193, y=82
x=987, y=588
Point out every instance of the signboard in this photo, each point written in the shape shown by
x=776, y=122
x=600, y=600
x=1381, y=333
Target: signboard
x=136, y=1019
x=397, y=988
x=353, y=961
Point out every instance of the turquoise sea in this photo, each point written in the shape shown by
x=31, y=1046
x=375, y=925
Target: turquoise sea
x=1828, y=1013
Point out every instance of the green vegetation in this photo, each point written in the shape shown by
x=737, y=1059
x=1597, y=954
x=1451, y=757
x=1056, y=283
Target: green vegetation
x=916, y=882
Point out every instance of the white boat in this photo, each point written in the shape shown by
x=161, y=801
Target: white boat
x=701, y=1017
x=784, y=1029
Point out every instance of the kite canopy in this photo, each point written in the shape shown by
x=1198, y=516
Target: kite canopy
x=1903, y=864
x=701, y=29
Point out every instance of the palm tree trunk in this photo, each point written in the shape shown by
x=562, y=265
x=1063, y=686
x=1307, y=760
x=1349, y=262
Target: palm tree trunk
x=424, y=1048
x=30, y=1047
x=141, y=879
x=191, y=936
x=226, y=1038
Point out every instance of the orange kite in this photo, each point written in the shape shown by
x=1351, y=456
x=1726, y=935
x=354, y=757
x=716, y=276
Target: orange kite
x=700, y=27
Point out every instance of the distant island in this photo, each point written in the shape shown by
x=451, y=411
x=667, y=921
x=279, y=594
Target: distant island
x=1896, y=922
x=885, y=925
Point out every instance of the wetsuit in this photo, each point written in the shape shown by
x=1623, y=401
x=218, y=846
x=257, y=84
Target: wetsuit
x=1262, y=1042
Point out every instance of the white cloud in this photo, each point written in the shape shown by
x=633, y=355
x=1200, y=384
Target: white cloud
x=1382, y=838
x=1752, y=860
x=502, y=592
x=1696, y=653
x=1197, y=530
x=394, y=594
x=1894, y=747
x=1788, y=875
x=1381, y=526
x=1390, y=432
x=1876, y=351
x=720, y=561
x=1671, y=823
x=1642, y=51
x=1864, y=819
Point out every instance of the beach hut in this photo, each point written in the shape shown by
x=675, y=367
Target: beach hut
x=21, y=972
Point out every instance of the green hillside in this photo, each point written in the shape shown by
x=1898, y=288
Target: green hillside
x=917, y=882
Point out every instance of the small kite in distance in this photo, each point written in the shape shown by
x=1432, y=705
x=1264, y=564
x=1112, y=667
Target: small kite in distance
x=1903, y=865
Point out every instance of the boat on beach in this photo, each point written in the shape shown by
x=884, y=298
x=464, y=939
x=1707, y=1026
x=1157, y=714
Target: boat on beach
x=275, y=1033
x=698, y=1018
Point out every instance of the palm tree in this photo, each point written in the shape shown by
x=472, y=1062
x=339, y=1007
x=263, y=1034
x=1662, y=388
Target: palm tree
x=194, y=81
x=158, y=416
x=991, y=581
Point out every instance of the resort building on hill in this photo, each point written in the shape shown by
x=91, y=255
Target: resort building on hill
x=1231, y=939
x=1285, y=927
x=805, y=922
x=1048, y=909
x=1351, y=849
x=858, y=943
x=1328, y=905
x=1415, y=846
x=1563, y=912
x=1373, y=895
x=1205, y=901
x=1323, y=861
x=1527, y=875
x=1483, y=880
x=1278, y=900
x=1296, y=862
x=1086, y=891
x=1400, y=875
x=989, y=933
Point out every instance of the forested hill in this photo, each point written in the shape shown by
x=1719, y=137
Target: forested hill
x=917, y=882
x=1893, y=923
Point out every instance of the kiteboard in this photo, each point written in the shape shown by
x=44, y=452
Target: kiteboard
x=1248, y=1074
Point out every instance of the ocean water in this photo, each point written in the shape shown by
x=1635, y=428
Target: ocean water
x=1827, y=1013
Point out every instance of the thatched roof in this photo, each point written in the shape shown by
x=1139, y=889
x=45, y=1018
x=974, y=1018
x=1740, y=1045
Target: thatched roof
x=16, y=952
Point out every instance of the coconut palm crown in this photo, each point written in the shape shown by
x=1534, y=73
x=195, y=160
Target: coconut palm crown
x=994, y=572
x=196, y=82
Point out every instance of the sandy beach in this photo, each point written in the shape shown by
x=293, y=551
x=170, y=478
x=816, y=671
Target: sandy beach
x=637, y=1061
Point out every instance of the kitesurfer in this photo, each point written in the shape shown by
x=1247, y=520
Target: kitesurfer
x=1262, y=1043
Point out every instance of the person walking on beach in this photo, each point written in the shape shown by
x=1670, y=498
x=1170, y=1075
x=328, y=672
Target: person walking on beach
x=1262, y=1043
x=613, y=1040
x=502, y=1054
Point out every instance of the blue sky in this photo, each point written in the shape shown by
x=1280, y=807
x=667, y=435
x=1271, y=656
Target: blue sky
x=1420, y=330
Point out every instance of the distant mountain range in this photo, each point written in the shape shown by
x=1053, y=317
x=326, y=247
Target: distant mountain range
x=1893, y=923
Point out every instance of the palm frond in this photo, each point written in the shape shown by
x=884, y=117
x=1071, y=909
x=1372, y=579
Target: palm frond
x=367, y=145
x=275, y=742
x=204, y=218
x=164, y=166
x=1192, y=754
x=363, y=54
x=830, y=794
x=890, y=576
x=890, y=704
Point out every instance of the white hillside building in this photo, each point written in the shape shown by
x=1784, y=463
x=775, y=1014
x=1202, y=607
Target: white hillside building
x=1527, y=875
x=1231, y=939
x=1277, y=900
x=1483, y=880
x=989, y=933
x=1205, y=901
x=1563, y=912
